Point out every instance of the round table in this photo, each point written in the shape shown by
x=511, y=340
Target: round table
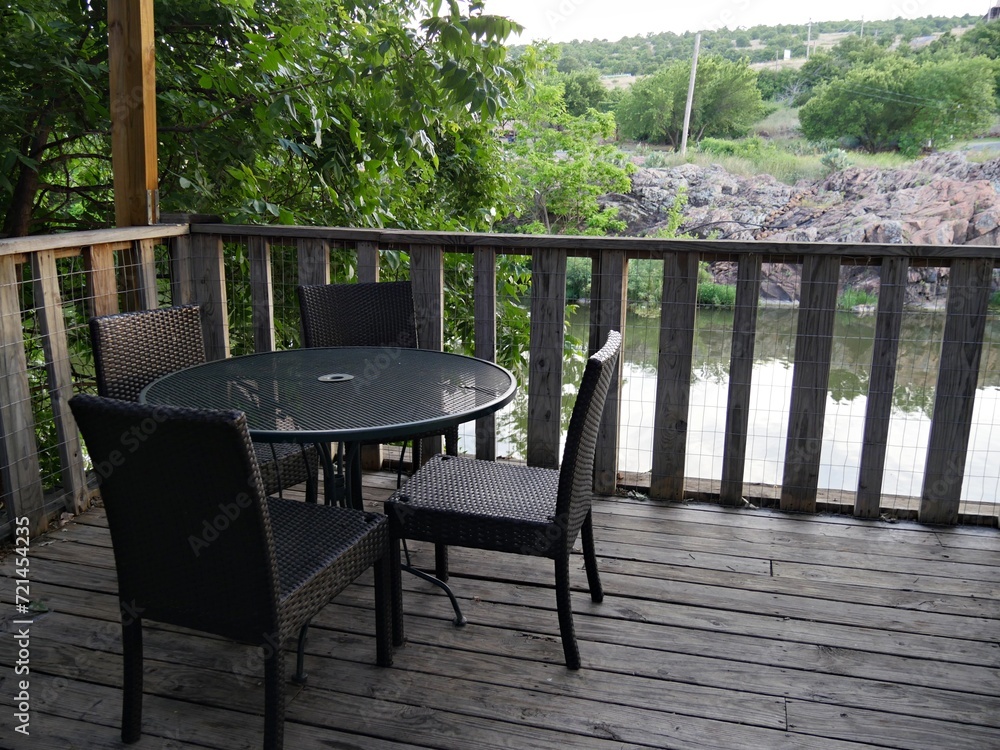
x=350, y=395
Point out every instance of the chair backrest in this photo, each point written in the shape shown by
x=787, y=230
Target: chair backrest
x=576, y=474
x=379, y=314
x=190, y=530
x=133, y=349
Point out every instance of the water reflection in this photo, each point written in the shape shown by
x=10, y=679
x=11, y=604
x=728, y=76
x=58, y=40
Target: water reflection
x=913, y=400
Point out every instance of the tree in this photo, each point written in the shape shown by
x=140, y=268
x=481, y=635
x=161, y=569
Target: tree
x=726, y=102
x=583, y=90
x=563, y=163
x=898, y=104
x=328, y=111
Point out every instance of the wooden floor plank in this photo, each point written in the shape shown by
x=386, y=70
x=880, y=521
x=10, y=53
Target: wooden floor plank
x=721, y=628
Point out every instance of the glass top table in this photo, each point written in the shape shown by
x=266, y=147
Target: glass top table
x=348, y=395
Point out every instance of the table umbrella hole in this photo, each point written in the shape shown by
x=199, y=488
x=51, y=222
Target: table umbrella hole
x=335, y=377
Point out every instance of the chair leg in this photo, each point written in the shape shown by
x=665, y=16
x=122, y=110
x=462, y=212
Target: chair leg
x=274, y=698
x=441, y=562
x=385, y=609
x=312, y=487
x=440, y=550
x=590, y=559
x=565, y=608
x=396, y=592
x=300, y=657
x=132, y=678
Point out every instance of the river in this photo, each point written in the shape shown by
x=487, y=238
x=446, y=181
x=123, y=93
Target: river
x=913, y=400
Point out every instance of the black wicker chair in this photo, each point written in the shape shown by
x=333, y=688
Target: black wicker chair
x=379, y=314
x=511, y=508
x=133, y=349
x=198, y=545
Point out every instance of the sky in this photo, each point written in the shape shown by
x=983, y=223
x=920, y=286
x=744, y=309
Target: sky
x=566, y=20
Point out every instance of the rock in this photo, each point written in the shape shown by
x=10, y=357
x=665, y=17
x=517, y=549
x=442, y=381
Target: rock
x=941, y=200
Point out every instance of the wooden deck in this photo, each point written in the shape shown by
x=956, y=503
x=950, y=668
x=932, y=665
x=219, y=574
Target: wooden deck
x=721, y=629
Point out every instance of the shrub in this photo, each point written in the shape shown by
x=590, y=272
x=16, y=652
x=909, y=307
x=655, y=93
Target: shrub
x=716, y=295
x=835, y=160
x=852, y=298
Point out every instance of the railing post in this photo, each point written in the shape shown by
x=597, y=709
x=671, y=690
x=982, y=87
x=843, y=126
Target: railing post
x=673, y=376
x=19, y=468
x=734, y=452
x=878, y=410
x=139, y=275
x=545, y=360
x=427, y=278
x=484, y=263
x=368, y=257
x=608, y=291
x=102, y=286
x=208, y=290
x=314, y=261
x=810, y=382
x=951, y=425
x=262, y=293
x=48, y=303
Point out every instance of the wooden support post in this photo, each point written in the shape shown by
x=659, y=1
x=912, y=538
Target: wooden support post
x=102, y=286
x=673, y=377
x=734, y=452
x=262, y=293
x=48, y=303
x=608, y=291
x=132, y=72
x=314, y=261
x=427, y=278
x=484, y=264
x=139, y=276
x=545, y=361
x=368, y=257
x=208, y=290
x=810, y=382
x=955, y=397
x=878, y=410
x=20, y=474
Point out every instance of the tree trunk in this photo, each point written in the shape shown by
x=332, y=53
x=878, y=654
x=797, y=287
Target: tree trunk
x=17, y=222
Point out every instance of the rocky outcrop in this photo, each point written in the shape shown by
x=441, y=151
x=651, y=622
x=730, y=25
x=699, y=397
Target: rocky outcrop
x=942, y=200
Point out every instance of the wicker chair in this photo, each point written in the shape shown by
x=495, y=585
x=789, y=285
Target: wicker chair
x=369, y=315
x=511, y=508
x=131, y=350
x=198, y=545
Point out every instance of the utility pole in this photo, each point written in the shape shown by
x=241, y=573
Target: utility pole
x=687, y=107
x=809, y=38
x=862, y=27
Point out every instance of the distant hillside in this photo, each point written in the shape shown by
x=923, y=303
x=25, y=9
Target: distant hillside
x=641, y=55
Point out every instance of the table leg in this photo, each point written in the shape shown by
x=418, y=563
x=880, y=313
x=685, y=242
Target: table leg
x=334, y=490
x=354, y=498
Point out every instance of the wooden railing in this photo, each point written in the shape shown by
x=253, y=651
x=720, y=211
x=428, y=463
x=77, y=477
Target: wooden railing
x=120, y=268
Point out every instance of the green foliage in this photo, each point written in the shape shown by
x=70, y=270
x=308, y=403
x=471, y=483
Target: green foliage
x=357, y=115
x=747, y=147
x=900, y=104
x=578, y=278
x=562, y=163
x=852, y=298
x=711, y=294
x=582, y=90
x=726, y=102
x=835, y=160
